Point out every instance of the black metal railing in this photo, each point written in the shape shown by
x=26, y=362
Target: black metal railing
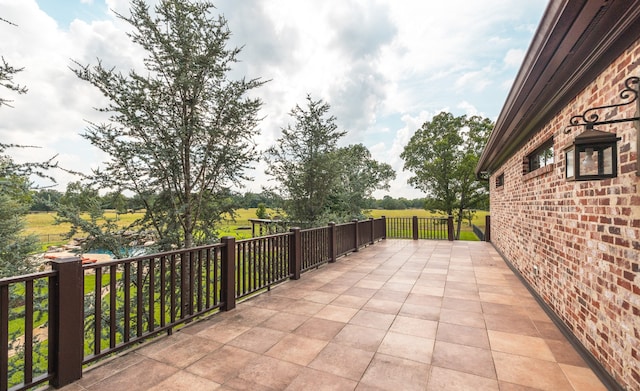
x=74, y=315
x=419, y=228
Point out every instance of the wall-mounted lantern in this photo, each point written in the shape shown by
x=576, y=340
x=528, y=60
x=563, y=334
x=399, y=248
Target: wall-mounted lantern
x=594, y=153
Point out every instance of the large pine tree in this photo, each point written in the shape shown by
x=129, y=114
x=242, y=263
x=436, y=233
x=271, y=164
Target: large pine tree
x=180, y=134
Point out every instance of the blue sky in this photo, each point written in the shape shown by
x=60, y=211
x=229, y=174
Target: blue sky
x=384, y=66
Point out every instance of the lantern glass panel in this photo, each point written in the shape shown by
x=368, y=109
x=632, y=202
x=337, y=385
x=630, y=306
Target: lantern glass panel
x=569, y=158
x=588, y=161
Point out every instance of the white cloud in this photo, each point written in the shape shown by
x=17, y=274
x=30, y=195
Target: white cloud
x=468, y=108
x=514, y=58
x=384, y=66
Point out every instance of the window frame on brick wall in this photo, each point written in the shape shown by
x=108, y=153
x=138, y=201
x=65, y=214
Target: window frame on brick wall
x=500, y=181
x=540, y=157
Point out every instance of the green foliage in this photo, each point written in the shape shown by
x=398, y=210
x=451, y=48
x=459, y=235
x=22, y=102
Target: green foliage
x=81, y=207
x=358, y=176
x=44, y=199
x=261, y=213
x=15, y=248
x=180, y=133
x=7, y=72
x=303, y=162
x=442, y=155
x=317, y=181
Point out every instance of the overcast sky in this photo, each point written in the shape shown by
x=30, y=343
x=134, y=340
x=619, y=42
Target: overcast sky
x=384, y=66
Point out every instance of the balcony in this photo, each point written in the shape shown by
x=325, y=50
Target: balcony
x=336, y=307
x=398, y=315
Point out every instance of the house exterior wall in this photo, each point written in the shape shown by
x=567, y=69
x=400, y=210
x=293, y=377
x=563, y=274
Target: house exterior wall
x=582, y=236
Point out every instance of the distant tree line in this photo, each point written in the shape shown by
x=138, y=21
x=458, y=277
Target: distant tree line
x=45, y=200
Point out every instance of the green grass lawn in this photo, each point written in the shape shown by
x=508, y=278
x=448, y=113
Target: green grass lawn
x=44, y=223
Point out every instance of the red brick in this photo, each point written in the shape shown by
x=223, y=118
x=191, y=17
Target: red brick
x=590, y=229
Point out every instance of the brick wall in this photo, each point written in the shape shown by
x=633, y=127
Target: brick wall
x=584, y=237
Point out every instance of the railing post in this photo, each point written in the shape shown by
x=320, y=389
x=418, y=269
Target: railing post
x=384, y=227
x=415, y=227
x=295, y=253
x=333, y=243
x=487, y=228
x=67, y=325
x=450, y=228
x=356, y=233
x=228, y=273
x=373, y=229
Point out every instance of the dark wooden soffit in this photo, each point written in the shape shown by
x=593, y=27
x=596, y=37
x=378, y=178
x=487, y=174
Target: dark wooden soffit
x=575, y=41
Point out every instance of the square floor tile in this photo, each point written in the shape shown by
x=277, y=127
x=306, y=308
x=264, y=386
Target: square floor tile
x=258, y=339
x=223, y=332
x=319, y=328
x=320, y=297
x=521, y=345
x=297, y=349
x=530, y=372
x=511, y=324
x=342, y=360
x=185, y=381
x=582, y=378
x=390, y=295
x=443, y=379
x=372, y=319
x=304, y=307
x=360, y=337
x=384, y=306
x=222, y=364
x=463, y=318
x=413, y=326
x=420, y=299
x=140, y=376
x=548, y=330
x=270, y=372
x=336, y=313
x=407, y=346
x=350, y=301
x=420, y=311
x=461, y=305
x=463, y=335
x=394, y=373
x=311, y=379
x=186, y=351
x=468, y=359
x=565, y=353
x=284, y=321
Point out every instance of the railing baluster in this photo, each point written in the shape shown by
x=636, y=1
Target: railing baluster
x=152, y=294
x=127, y=302
x=163, y=291
x=139, y=299
x=52, y=322
x=216, y=285
x=112, y=306
x=192, y=282
x=28, y=331
x=208, y=278
x=184, y=284
x=4, y=337
x=240, y=269
x=97, y=312
x=199, y=281
x=173, y=289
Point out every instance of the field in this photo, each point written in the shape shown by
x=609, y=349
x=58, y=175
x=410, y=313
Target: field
x=43, y=224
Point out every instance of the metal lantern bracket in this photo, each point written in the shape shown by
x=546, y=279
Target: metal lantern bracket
x=591, y=118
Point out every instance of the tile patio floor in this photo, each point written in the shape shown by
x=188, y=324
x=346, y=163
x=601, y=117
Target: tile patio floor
x=398, y=315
